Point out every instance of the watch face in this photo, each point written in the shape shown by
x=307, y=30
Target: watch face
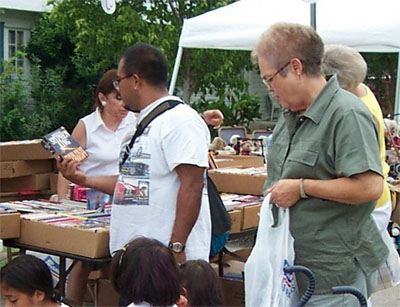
x=176, y=247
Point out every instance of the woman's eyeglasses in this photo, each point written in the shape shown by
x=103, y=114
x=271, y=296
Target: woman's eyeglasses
x=268, y=81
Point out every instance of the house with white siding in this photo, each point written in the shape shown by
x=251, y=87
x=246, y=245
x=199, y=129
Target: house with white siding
x=17, y=18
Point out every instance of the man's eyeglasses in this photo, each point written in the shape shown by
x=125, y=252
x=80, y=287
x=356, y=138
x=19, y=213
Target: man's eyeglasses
x=268, y=81
x=116, y=82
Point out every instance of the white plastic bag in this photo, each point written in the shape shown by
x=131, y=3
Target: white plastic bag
x=389, y=272
x=266, y=284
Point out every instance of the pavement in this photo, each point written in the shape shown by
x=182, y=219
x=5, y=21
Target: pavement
x=387, y=297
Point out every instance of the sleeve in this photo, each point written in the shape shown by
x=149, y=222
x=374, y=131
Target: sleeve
x=356, y=145
x=187, y=143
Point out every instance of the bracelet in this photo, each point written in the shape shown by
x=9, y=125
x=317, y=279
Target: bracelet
x=302, y=192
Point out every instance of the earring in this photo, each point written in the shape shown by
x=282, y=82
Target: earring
x=103, y=103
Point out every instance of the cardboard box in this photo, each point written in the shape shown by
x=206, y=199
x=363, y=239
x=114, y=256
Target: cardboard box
x=250, y=216
x=23, y=150
x=238, y=183
x=76, y=241
x=238, y=161
x=9, y=225
x=53, y=182
x=233, y=290
x=8, y=196
x=11, y=169
x=30, y=182
x=236, y=217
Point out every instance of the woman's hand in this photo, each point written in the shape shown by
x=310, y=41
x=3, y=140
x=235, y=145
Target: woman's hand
x=285, y=193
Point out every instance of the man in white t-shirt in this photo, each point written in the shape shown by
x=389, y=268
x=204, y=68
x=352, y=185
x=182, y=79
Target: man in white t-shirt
x=160, y=192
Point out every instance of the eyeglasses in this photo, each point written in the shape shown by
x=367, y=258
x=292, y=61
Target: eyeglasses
x=268, y=81
x=116, y=82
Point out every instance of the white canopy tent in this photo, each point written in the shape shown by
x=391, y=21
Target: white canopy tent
x=24, y=5
x=365, y=25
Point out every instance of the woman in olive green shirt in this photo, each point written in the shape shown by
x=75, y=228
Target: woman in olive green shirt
x=323, y=164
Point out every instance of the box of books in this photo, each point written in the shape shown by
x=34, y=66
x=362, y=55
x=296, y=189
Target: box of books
x=60, y=143
x=236, y=217
x=248, y=205
x=83, y=237
x=239, y=180
x=23, y=150
x=9, y=224
x=53, y=182
x=250, y=216
x=238, y=161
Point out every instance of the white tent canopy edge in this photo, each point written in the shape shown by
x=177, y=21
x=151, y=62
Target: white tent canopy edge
x=369, y=26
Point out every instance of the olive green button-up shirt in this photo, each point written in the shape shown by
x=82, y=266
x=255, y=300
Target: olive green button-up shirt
x=336, y=137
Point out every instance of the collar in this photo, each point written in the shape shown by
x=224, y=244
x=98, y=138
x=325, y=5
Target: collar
x=143, y=113
x=98, y=120
x=321, y=103
x=100, y=123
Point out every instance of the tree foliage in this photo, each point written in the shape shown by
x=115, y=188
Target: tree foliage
x=78, y=41
x=23, y=117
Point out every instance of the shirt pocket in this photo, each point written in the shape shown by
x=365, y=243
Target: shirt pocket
x=305, y=157
x=301, y=164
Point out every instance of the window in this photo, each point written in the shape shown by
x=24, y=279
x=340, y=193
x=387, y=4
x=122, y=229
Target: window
x=15, y=44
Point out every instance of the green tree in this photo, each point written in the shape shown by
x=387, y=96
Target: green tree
x=21, y=116
x=79, y=41
x=13, y=96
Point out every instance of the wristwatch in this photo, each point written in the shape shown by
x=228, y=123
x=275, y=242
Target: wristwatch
x=302, y=192
x=176, y=247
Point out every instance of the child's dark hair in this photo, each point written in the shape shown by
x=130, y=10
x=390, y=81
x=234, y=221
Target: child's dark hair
x=145, y=271
x=201, y=283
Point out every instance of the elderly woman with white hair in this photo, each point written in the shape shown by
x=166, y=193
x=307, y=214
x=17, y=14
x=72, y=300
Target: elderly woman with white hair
x=350, y=69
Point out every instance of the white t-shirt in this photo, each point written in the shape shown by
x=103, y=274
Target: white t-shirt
x=145, y=195
x=104, y=145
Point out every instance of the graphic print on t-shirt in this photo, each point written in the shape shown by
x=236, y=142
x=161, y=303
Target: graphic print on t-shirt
x=133, y=184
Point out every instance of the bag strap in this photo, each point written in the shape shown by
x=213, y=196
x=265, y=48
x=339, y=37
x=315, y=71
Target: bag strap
x=160, y=109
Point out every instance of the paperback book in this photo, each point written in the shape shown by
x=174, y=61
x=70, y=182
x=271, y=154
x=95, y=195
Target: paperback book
x=60, y=143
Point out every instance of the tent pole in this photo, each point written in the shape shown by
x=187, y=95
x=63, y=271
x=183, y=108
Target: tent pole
x=397, y=96
x=176, y=70
x=313, y=15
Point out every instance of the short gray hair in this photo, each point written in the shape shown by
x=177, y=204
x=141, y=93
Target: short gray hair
x=284, y=41
x=347, y=63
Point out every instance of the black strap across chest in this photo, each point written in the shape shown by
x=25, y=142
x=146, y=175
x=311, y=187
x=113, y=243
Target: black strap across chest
x=160, y=109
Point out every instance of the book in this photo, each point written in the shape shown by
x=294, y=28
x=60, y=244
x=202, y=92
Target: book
x=60, y=143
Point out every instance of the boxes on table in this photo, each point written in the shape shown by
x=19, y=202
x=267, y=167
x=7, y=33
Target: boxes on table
x=11, y=169
x=92, y=243
x=237, y=180
x=23, y=150
x=223, y=161
x=244, y=210
x=24, y=183
x=9, y=225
